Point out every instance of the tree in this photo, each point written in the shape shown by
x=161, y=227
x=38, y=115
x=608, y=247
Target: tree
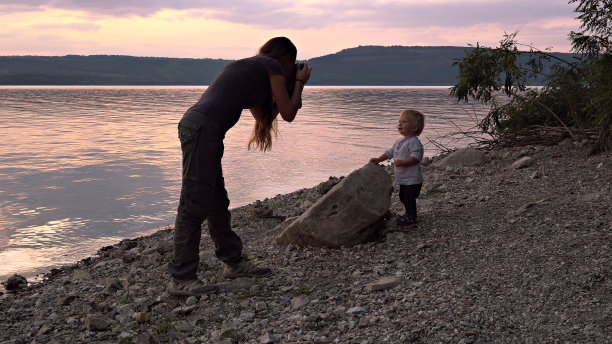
x=596, y=18
x=576, y=95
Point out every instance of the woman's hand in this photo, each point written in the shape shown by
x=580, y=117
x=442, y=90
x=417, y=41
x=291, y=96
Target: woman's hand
x=289, y=104
x=303, y=72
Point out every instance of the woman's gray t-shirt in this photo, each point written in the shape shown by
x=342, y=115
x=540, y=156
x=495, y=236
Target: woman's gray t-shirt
x=241, y=84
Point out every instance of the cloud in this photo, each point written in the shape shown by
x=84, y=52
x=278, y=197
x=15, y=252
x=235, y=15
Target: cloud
x=70, y=26
x=127, y=8
x=277, y=14
x=448, y=13
x=228, y=29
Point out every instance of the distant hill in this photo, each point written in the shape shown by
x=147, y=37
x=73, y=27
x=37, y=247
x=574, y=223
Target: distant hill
x=396, y=65
x=364, y=65
x=391, y=66
x=106, y=70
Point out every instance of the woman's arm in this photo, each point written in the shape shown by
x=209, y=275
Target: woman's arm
x=288, y=105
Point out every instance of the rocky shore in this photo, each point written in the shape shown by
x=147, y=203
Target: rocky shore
x=515, y=248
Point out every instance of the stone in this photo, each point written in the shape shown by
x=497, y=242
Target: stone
x=164, y=247
x=537, y=174
x=68, y=300
x=383, y=284
x=72, y=321
x=241, y=283
x=228, y=333
x=184, y=310
x=81, y=275
x=96, y=322
x=347, y=214
x=268, y=338
x=324, y=187
x=44, y=330
x=141, y=317
x=262, y=210
x=15, y=283
x=116, y=284
x=129, y=257
x=128, y=244
x=356, y=309
x=462, y=158
x=142, y=338
x=299, y=301
x=192, y=300
x=523, y=162
x=183, y=326
x=567, y=143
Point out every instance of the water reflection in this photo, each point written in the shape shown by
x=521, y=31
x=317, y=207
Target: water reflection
x=85, y=165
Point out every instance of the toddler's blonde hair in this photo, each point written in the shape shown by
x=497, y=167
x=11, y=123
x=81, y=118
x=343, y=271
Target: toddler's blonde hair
x=418, y=118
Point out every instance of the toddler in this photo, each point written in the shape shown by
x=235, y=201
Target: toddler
x=407, y=153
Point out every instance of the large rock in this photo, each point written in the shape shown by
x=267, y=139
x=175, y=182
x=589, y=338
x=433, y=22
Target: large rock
x=461, y=158
x=347, y=214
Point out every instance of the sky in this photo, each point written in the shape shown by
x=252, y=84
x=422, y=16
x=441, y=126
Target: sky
x=234, y=29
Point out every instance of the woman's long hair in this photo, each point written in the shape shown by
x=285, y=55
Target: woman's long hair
x=263, y=129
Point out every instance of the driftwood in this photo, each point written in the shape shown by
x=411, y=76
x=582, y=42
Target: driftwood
x=543, y=136
x=533, y=135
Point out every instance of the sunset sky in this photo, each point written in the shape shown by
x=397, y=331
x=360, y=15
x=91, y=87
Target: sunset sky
x=234, y=29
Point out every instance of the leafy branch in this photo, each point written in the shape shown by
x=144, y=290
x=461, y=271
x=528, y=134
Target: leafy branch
x=576, y=95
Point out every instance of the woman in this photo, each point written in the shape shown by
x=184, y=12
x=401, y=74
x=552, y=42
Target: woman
x=267, y=84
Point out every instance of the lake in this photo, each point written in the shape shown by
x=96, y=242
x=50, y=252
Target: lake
x=85, y=167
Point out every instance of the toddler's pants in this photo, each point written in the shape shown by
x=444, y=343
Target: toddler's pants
x=408, y=195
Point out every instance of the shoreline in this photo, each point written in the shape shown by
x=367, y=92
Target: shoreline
x=500, y=254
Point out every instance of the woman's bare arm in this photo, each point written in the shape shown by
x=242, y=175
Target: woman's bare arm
x=288, y=105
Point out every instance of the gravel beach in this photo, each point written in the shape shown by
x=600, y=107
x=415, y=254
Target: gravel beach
x=517, y=250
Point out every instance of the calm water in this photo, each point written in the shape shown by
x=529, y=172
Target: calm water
x=84, y=167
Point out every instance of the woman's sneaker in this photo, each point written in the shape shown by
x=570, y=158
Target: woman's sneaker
x=244, y=268
x=190, y=287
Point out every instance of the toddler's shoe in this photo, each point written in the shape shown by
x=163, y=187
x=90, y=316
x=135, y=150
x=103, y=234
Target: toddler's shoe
x=405, y=221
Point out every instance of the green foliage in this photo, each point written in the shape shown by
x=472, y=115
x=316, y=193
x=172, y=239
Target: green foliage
x=484, y=72
x=577, y=93
x=594, y=39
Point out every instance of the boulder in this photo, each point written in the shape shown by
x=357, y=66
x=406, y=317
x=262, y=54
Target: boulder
x=461, y=158
x=15, y=283
x=347, y=214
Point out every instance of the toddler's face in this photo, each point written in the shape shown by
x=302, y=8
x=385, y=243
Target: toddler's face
x=407, y=126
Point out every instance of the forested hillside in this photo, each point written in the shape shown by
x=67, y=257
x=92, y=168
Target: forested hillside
x=375, y=65
x=364, y=65
x=106, y=70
